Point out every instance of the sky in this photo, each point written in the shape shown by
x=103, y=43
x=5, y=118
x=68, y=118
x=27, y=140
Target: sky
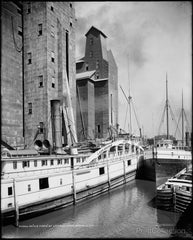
x=148, y=40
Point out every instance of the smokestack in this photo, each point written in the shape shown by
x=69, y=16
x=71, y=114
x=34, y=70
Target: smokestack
x=57, y=126
x=187, y=138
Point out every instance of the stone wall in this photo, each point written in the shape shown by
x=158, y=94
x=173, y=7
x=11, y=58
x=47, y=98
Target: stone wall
x=49, y=59
x=11, y=75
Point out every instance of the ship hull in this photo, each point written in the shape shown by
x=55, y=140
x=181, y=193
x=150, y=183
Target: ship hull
x=165, y=168
x=87, y=182
x=40, y=207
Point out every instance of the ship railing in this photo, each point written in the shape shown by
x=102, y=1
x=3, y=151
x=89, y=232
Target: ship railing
x=116, y=158
x=174, y=155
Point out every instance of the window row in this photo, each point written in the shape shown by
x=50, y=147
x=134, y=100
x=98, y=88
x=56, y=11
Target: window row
x=29, y=57
x=29, y=7
x=45, y=162
x=41, y=81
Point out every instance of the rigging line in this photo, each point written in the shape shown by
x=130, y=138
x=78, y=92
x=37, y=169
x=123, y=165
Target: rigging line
x=128, y=101
x=126, y=116
x=129, y=96
x=68, y=125
x=162, y=119
x=173, y=117
x=187, y=120
x=69, y=120
x=135, y=115
x=178, y=123
x=16, y=47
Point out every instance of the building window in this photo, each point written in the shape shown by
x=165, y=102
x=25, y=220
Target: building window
x=51, y=162
x=99, y=128
x=128, y=162
x=78, y=160
x=43, y=183
x=41, y=129
x=39, y=29
x=101, y=170
x=29, y=7
x=53, y=82
x=52, y=31
x=97, y=64
x=97, y=75
x=60, y=181
x=71, y=24
x=25, y=164
x=29, y=108
x=44, y=163
x=29, y=58
x=10, y=191
x=71, y=5
x=52, y=8
x=86, y=66
x=91, y=41
x=19, y=30
x=91, y=53
x=52, y=57
x=35, y=163
x=40, y=81
x=29, y=187
x=14, y=165
x=10, y=205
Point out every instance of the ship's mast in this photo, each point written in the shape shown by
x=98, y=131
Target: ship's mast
x=111, y=111
x=182, y=121
x=129, y=98
x=167, y=119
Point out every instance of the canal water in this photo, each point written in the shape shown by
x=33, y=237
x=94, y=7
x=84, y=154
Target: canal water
x=126, y=212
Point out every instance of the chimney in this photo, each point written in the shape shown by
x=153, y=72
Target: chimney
x=56, y=126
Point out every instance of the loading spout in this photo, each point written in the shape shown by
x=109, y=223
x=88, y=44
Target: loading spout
x=6, y=145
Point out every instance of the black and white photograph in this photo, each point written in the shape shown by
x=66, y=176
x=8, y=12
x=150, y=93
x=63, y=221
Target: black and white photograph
x=96, y=119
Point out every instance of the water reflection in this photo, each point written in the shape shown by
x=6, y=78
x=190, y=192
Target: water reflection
x=127, y=211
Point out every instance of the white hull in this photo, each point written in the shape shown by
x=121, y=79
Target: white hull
x=41, y=188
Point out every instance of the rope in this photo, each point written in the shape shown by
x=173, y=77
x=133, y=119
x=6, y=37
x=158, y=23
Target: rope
x=125, y=116
x=178, y=123
x=162, y=119
x=188, y=125
x=135, y=115
x=173, y=118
